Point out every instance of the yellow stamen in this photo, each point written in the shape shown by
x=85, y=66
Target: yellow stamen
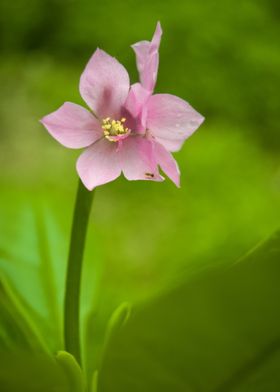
x=113, y=128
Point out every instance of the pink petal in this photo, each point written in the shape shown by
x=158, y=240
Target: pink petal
x=171, y=120
x=99, y=164
x=73, y=126
x=136, y=99
x=167, y=163
x=147, y=59
x=138, y=160
x=104, y=84
x=135, y=103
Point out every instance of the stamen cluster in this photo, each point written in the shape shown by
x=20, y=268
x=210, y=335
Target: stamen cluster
x=112, y=128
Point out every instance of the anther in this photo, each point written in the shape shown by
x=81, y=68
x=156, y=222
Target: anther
x=114, y=128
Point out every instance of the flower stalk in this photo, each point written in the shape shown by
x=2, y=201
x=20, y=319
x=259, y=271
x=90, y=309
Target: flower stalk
x=74, y=272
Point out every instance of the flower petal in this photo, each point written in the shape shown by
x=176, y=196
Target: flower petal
x=138, y=160
x=147, y=59
x=134, y=105
x=167, y=163
x=136, y=99
x=171, y=120
x=104, y=84
x=99, y=164
x=73, y=126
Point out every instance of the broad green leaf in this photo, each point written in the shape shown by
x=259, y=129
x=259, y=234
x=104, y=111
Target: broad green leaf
x=32, y=261
x=220, y=331
x=17, y=331
x=23, y=352
x=33, y=253
x=25, y=372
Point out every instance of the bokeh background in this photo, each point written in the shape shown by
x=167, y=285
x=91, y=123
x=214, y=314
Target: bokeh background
x=223, y=58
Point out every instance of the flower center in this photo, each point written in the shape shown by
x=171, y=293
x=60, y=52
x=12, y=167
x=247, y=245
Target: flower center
x=114, y=130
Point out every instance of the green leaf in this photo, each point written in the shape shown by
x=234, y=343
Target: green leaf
x=33, y=262
x=28, y=372
x=23, y=352
x=220, y=331
x=118, y=319
x=94, y=382
x=33, y=253
x=72, y=371
x=17, y=331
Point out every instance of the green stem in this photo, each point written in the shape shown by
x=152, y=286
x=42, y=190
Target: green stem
x=74, y=270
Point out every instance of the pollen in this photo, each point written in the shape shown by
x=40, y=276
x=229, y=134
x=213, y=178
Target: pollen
x=114, y=128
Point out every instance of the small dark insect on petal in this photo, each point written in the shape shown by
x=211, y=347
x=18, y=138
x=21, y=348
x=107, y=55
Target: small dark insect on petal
x=149, y=175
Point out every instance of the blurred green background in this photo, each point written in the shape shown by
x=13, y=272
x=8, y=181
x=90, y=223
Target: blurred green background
x=221, y=56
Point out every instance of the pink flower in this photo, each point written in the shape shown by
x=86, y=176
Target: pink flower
x=128, y=130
